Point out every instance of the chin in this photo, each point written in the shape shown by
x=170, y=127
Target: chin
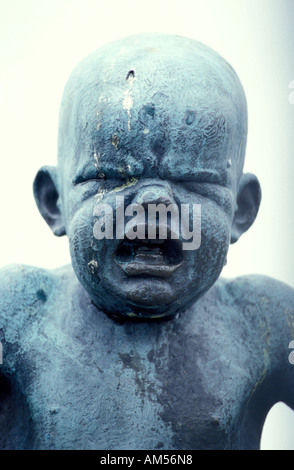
x=150, y=286
x=141, y=299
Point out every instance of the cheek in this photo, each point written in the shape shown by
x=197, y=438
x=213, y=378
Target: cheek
x=83, y=249
x=215, y=240
x=215, y=232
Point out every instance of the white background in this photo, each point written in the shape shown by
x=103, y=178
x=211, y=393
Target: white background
x=40, y=43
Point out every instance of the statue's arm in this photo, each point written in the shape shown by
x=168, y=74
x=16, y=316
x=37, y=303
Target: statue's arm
x=267, y=307
x=23, y=291
x=11, y=318
x=280, y=315
x=23, y=294
x=288, y=341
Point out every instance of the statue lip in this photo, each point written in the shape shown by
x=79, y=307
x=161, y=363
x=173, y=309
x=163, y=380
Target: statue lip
x=152, y=257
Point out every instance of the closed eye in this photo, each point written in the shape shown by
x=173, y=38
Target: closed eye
x=203, y=186
x=80, y=179
x=220, y=194
x=202, y=178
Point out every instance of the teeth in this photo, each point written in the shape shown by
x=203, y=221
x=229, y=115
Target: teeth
x=148, y=249
x=149, y=253
x=149, y=258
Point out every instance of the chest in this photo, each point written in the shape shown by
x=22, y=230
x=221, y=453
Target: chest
x=134, y=388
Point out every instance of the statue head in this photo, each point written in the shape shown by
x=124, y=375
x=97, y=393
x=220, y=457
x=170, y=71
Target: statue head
x=151, y=119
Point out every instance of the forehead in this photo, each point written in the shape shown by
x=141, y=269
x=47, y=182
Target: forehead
x=149, y=103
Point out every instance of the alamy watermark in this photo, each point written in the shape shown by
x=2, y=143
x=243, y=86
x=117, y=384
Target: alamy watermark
x=156, y=221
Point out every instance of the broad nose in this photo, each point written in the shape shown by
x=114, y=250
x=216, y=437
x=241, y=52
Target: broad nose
x=160, y=222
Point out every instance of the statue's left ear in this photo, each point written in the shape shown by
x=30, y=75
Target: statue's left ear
x=47, y=199
x=248, y=201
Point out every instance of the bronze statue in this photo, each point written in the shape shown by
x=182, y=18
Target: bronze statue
x=140, y=344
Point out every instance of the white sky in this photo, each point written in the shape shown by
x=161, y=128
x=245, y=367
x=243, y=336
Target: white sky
x=40, y=43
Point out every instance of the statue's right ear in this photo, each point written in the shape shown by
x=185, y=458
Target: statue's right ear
x=46, y=194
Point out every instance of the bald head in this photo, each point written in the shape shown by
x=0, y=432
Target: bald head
x=131, y=88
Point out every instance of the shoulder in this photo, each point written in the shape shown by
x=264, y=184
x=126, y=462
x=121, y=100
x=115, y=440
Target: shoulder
x=266, y=305
x=23, y=289
x=264, y=291
x=22, y=286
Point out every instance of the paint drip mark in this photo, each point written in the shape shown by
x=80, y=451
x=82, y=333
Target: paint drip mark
x=128, y=99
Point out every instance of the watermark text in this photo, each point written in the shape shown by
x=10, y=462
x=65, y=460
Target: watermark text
x=156, y=221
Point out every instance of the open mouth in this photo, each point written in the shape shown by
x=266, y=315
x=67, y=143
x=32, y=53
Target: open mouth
x=159, y=258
